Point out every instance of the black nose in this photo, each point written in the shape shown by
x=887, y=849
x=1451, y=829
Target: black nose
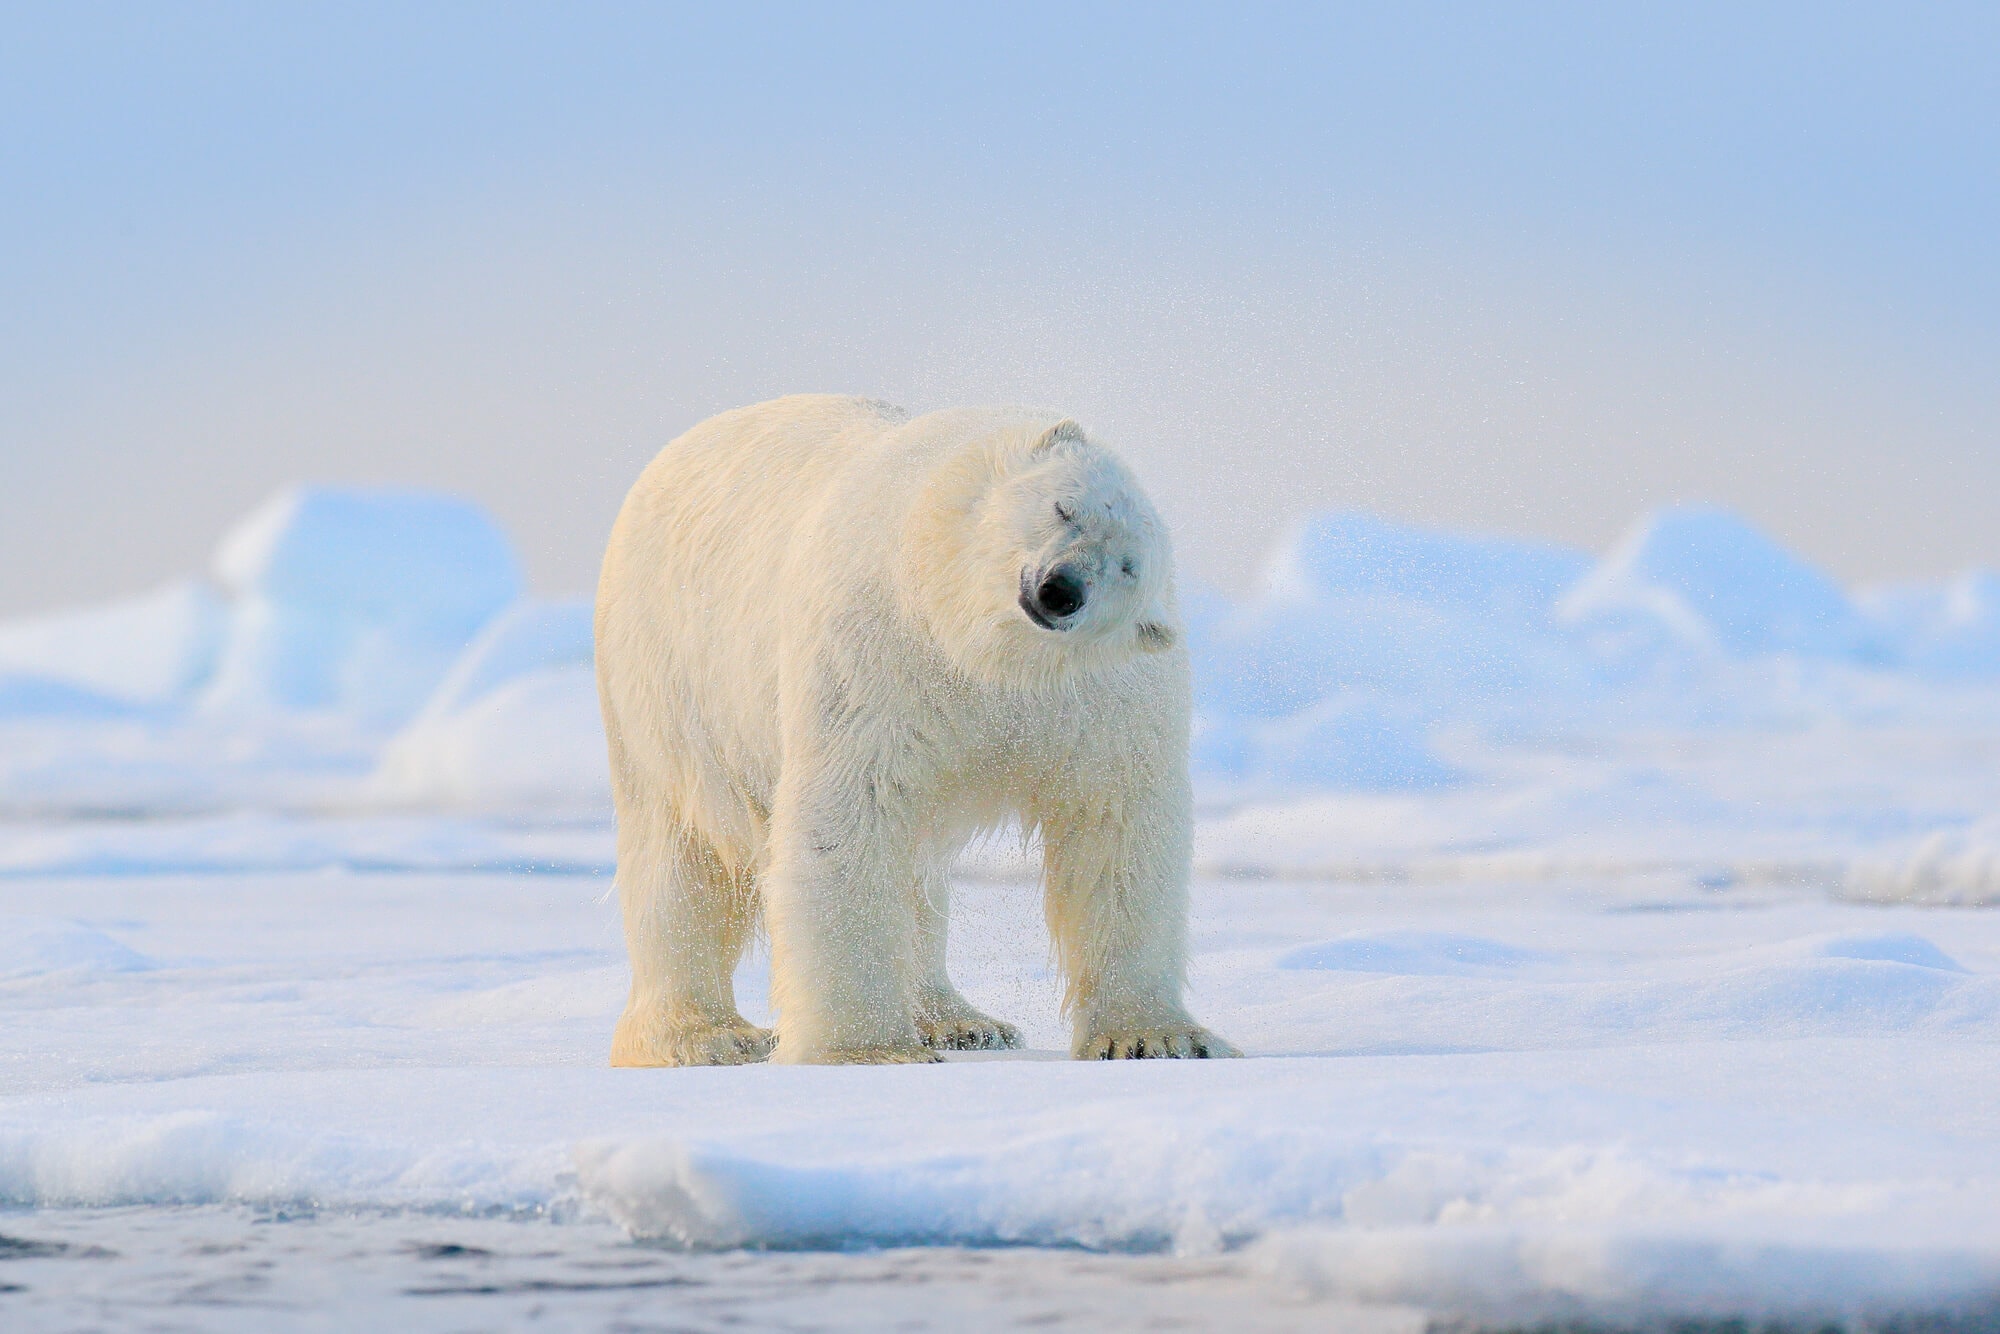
x=1061, y=594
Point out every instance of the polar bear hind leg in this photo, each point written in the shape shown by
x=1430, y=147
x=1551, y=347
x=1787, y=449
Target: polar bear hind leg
x=688, y=918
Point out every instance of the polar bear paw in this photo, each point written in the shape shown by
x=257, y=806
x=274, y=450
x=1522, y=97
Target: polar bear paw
x=970, y=1031
x=1148, y=1042
x=654, y=1041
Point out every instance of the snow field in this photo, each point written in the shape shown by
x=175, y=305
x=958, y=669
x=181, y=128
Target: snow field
x=1481, y=1097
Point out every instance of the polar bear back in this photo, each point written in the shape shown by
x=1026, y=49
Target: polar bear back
x=691, y=601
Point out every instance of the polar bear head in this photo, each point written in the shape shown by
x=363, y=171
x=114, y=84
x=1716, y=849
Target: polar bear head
x=1033, y=553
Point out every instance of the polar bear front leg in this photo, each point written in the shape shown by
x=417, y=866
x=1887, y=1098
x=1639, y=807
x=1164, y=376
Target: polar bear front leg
x=1116, y=885
x=839, y=911
x=947, y=1020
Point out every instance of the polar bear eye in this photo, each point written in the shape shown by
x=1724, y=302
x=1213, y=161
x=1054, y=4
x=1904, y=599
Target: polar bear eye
x=1130, y=570
x=1065, y=513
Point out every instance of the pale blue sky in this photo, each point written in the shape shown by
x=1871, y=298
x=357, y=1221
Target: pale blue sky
x=1528, y=268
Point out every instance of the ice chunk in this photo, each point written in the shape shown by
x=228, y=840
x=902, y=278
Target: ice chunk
x=154, y=649
x=1702, y=579
x=527, y=637
x=514, y=725
x=356, y=601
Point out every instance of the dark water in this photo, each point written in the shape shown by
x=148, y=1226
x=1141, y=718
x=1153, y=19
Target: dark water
x=236, y=1269
x=233, y=1269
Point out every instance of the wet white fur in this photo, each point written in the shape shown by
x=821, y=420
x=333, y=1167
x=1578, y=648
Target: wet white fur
x=818, y=684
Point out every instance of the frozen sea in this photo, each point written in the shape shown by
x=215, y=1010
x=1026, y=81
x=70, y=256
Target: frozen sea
x=1613, y=944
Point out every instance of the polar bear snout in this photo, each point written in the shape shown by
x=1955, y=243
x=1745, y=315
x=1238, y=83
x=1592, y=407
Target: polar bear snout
x=1054, y=597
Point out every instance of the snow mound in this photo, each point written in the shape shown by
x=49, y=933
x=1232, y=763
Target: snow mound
x=1636, y=1277
x=156, y=649
x=1949, y=866
x=527, y=637
x=1915, y=951
x=199, y=1157
x=1363, y=634
x=1702, y=579
x=1355, y=603
x=535, y=742
x=355, y=601
x=1351, y=555
x=32, y=946
x=1444, y=1223
x=1947, y=630
x=514, y=725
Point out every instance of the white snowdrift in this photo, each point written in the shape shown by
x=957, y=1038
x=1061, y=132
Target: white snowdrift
x=151, y=650
x=1950, y=866
x=1948, y=630
x=514, y=726
x=1354, y=604
x=31, y=947
x=1637, y=1276
x=200, y=1157
x=534, y=743
x=1702, y=580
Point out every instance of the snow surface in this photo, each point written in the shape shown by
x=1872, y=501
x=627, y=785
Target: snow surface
x=1606, y=934
x=1639, y=1094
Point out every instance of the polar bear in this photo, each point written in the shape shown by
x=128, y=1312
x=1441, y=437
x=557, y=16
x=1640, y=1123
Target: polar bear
x=834, y=643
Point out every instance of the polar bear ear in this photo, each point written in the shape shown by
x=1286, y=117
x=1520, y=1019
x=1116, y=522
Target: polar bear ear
x=1156, y=633
x=1064, y=430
